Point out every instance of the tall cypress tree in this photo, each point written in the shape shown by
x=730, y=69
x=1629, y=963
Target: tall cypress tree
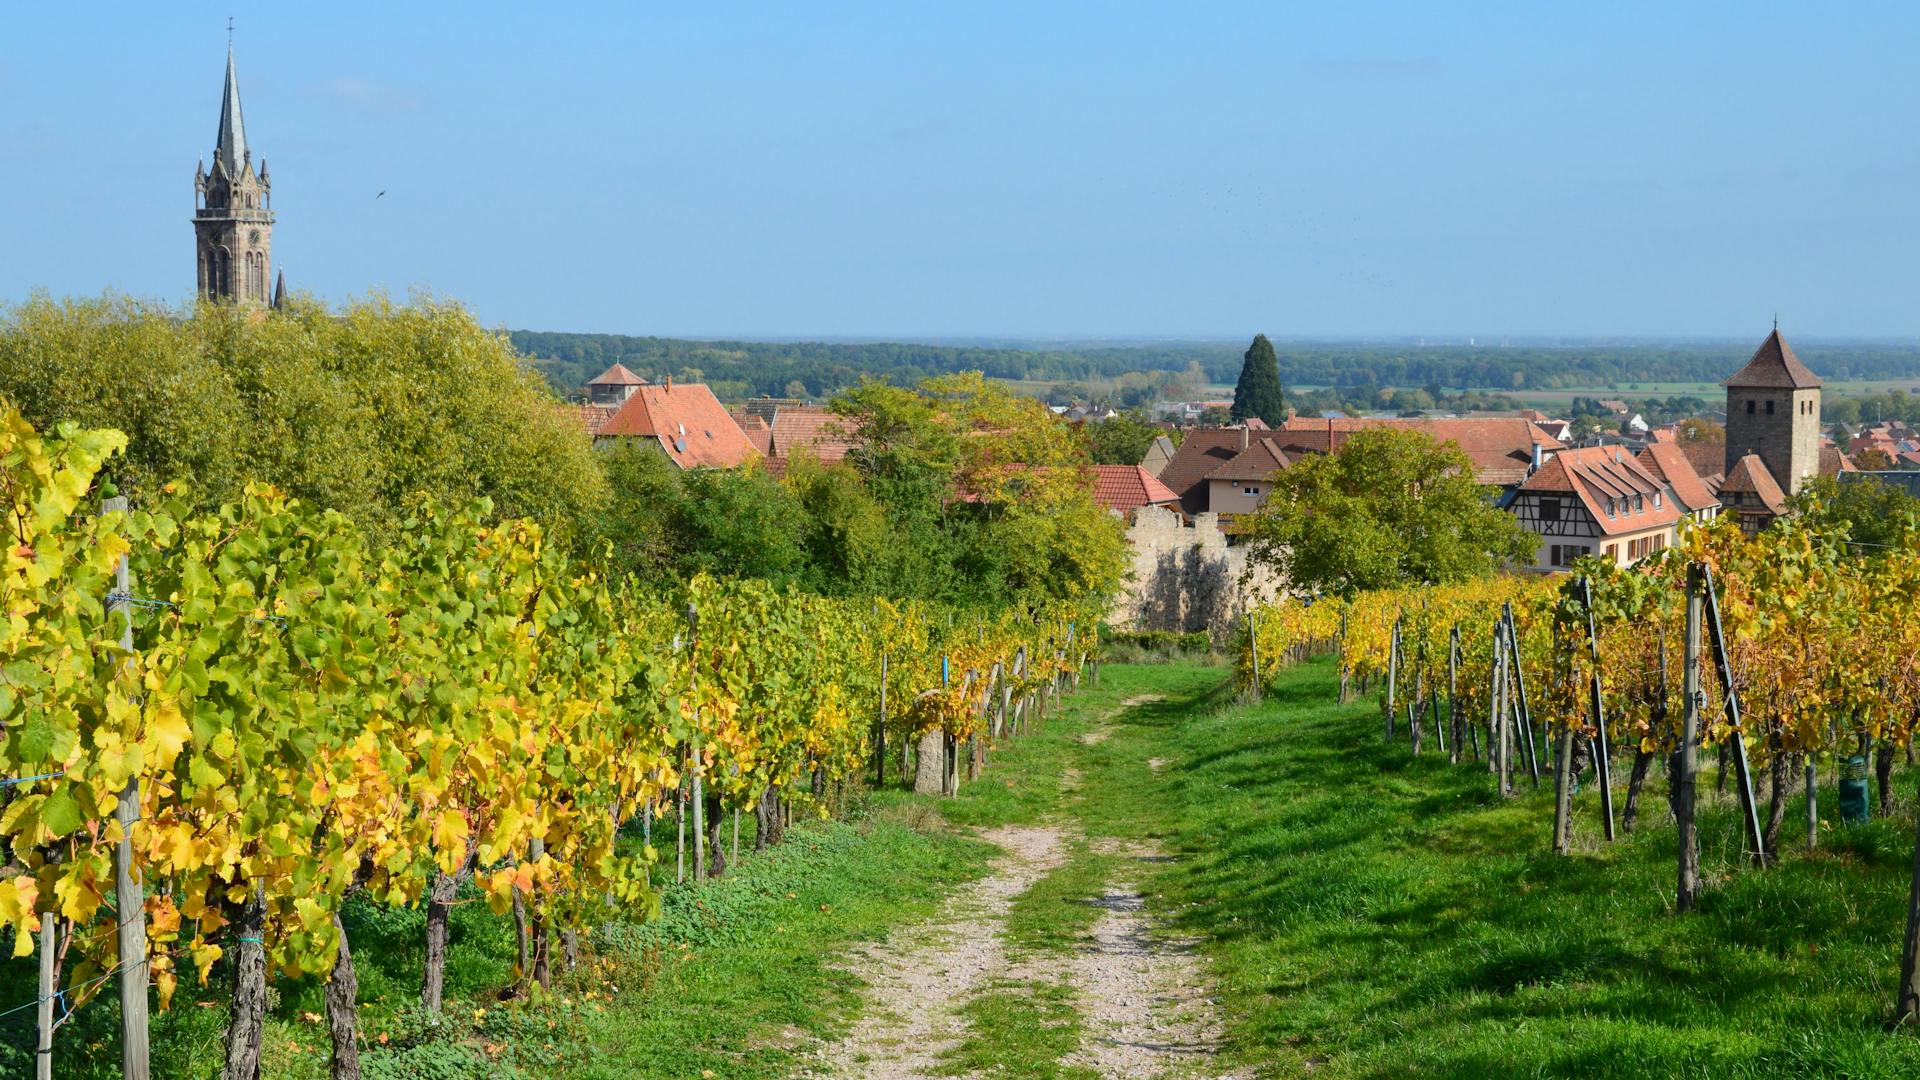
x=1258, y=391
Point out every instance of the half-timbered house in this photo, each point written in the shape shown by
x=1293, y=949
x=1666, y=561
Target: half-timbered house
x=1596, y=500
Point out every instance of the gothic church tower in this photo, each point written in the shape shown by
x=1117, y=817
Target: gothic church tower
x=233, y=212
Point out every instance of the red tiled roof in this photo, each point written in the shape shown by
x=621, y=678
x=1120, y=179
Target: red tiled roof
x=1774, y=367
x=1256, y=462
x=1666, y=462
x=1596, y=474
x=1127, y=488
x=827, y=435
x=1201, y=452
x=1833, y=462
x=617, y=375
x=1751, y=476
x=592, y=416
x=756, y=431
x=689, y=423
x=1707, y=458
x=1501, y=448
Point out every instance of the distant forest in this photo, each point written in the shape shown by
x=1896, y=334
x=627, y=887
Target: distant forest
x=739, y=369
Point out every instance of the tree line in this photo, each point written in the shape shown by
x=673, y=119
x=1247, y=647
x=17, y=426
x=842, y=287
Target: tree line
x=362, y=408
x=746, y=368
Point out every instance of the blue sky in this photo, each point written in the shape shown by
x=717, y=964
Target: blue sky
x=907, y=169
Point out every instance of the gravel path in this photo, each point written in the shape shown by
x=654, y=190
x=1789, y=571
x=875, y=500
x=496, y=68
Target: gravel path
x=1142, y=994
x=922, y=975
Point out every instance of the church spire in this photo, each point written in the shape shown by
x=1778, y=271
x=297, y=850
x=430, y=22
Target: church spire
x=230, y=150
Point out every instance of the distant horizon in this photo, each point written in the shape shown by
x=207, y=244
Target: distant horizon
x=1431, y=341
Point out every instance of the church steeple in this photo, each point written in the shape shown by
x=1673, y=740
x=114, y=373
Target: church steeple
x=230, y=146
x=233, y=209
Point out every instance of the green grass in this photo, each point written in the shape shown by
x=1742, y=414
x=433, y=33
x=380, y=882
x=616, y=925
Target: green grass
x=1019, y=1029
x=1369, y=914
x=1056, y=913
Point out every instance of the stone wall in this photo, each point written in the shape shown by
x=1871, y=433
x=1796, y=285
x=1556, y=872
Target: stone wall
x=1186, y=577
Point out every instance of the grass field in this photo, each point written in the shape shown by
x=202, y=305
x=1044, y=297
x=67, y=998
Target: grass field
x=1374, y=915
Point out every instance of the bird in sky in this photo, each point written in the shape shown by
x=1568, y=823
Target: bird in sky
x=378, y=196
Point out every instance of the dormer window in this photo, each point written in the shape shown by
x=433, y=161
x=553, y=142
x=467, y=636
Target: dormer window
x=1639, y=504
x=1656, y=500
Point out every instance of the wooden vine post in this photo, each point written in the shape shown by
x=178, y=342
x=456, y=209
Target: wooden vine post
x=1602, y=753
x=1393, y=674
x=1453, y=691
x=699, y=794
x=1686, y=783
x=1253, y=644
x=128, y=893
x=1517, y=673
x=1340, y=659
x=1906, y=1007
x=1756, y=841
x=880, y=731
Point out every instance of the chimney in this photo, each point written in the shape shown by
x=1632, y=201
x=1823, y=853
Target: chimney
x=669, y=385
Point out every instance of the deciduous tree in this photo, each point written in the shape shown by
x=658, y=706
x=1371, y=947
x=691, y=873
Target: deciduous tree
x=1392, y=508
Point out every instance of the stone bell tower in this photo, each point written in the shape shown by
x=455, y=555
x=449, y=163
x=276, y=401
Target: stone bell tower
x=233, y=212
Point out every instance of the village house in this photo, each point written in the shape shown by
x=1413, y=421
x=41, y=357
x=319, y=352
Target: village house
x=1503, y=451
x=686, y=422
x=1242, y=484
x=1597, y=500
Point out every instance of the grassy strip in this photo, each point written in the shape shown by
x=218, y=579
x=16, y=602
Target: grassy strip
x=1371, y=914
x=733, y=981
x=1019, y=1029
x=1057, y=913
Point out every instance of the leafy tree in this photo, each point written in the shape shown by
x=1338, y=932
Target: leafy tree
x=987, y=491
x=1874, y=515
x=1874, y=459
x=356, y=409
x=1392, y=508
x=1122, y=439
x=1258, y=391
x=1697, y=430
x=851, y=547
x=664, y=525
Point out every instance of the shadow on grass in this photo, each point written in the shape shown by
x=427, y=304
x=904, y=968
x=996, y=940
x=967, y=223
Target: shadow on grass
x=1375, y=914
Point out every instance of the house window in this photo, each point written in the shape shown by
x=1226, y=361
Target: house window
x=1656, y=500
x=1564, y=554
x=1250, y=490
x=1550, y=511
x=1749, y=406
x=1639, y=504
x=1769, y=408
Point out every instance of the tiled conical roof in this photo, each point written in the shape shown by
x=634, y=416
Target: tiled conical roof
x=1774, y=367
